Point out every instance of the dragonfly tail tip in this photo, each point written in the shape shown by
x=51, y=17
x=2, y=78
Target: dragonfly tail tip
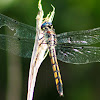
x=61, y=94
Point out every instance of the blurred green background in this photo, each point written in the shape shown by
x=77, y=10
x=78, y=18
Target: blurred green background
x=81, y=82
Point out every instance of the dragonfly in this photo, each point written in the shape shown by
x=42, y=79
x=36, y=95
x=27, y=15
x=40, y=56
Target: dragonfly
x=70, y=47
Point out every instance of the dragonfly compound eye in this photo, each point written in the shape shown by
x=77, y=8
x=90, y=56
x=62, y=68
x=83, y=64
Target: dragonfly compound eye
x=46, y=24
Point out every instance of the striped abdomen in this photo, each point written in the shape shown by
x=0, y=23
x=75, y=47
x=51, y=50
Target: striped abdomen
x=56, y=70
x=51, y=44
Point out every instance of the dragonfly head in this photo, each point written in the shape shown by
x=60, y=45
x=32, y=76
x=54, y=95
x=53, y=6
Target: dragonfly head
x=46, y=26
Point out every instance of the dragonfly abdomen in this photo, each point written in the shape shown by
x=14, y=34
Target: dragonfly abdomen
x=55, y=67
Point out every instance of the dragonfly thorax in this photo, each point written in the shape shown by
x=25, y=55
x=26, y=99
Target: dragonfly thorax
x=49, y=33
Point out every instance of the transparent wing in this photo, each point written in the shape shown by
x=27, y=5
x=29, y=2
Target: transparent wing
x=22, y=30
x=78, y=54
x=73, y=47
x=21, y=43
x=85, y=37
x=22, y=47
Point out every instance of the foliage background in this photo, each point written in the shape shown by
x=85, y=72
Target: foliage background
x=81, y=82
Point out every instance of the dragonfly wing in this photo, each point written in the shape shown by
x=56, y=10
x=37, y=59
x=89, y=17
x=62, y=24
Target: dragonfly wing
x=22, y=30
x=18, y=46
x=78, y=54
x=20, y=43
x=84, y=37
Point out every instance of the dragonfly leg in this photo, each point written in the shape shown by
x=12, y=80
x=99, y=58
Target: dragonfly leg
x=46, y=53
